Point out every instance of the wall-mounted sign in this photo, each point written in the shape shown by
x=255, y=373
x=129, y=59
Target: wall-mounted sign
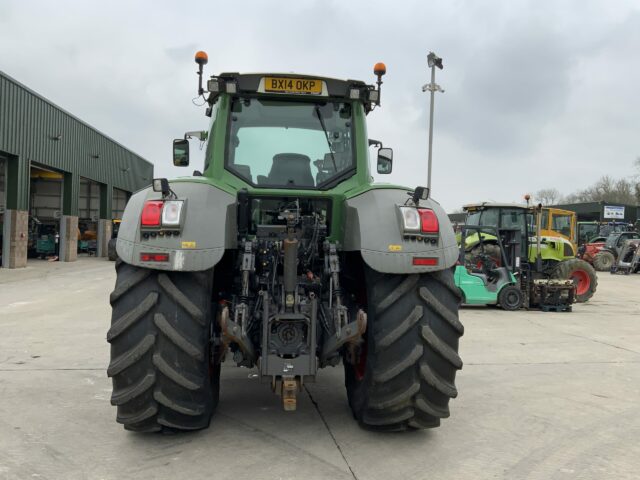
x=614, y=212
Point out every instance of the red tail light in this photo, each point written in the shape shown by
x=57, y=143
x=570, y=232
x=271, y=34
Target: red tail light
x=151, y=213
x=154, y=257
x=425, y=262
x=429, y=221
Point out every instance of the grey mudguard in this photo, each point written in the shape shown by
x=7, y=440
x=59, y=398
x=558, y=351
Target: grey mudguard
x=208, y=228
x=373, y=226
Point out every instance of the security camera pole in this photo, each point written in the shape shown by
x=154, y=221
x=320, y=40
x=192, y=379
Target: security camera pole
x=434, y=61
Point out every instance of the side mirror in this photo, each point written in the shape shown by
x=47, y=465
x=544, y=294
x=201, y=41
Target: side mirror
x=385, y=160
x=181, y=152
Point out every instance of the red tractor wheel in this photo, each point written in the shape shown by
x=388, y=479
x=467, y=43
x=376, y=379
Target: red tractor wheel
x=582, y=274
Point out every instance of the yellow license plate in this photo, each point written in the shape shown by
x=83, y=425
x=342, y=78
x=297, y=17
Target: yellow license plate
x=307, y=86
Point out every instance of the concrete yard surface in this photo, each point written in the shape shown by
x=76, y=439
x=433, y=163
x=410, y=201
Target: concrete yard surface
x=541, y=396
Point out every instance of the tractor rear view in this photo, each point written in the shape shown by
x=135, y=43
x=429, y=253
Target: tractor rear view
x=283, y=256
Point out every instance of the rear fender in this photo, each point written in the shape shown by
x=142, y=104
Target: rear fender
x=372, y=226
x=208, y=229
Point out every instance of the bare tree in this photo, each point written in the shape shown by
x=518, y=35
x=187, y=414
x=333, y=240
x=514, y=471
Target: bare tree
x=547, y=196
x=607, y=189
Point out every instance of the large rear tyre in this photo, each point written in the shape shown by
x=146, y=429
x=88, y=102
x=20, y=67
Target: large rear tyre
x=163, y=377
x=405, y=375
x=112, y=254
x=603, y=261
x=583, y=275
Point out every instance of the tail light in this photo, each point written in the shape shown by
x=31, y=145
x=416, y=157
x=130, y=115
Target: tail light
x=151, y=213
x=418, y=220
x=429, y=220
x=156, y=213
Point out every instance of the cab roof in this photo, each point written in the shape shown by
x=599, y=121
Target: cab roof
x=249, y=82
x=478, y=206
x=292, y=86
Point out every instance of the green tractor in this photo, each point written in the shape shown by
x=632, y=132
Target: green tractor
x=543, y=256
x=284, y=256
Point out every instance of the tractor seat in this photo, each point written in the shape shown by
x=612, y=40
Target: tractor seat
x=291, y=169
x=244, y=171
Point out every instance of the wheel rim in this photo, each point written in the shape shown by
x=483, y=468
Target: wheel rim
x=606, y=260
x=582, y=281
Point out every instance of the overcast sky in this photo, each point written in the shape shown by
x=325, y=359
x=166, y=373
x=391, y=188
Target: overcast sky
x=538, y=93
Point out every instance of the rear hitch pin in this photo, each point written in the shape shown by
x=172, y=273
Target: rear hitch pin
x=290, y=387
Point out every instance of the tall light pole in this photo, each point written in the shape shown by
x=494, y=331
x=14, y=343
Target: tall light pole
x=433, y=61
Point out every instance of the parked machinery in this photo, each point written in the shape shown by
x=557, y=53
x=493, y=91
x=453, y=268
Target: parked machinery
x=489, y=273
x=43, y=238
x=628, y=260
x=604, y=254
x=112, y=254
x=546, y=256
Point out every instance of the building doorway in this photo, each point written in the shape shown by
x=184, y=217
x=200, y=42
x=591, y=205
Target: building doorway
x=45, y=211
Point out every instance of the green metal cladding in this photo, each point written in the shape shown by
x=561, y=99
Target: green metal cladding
x=34, y=131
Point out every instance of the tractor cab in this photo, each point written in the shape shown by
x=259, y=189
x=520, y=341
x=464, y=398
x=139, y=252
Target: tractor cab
x=502, y=216
x=558, y=222
x=287, y=132
x=587, y=231
x=557, y=227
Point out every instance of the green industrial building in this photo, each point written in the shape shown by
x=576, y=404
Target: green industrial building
x=62, y=182
x=603, y=211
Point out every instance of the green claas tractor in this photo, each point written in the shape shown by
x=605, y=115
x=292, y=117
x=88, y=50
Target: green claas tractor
x=543, y=256
x=284, y=256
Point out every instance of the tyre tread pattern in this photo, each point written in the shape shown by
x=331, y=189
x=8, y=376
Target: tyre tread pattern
x=410, y=373
x=132, y=316
x=127, y=394
x=159, y=340
x=177, y=338
x=180, y=298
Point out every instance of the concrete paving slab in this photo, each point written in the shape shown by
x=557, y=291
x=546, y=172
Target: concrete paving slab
x=542, y=396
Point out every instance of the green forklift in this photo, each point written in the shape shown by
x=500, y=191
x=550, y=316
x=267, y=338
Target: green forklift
x=488, y=274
